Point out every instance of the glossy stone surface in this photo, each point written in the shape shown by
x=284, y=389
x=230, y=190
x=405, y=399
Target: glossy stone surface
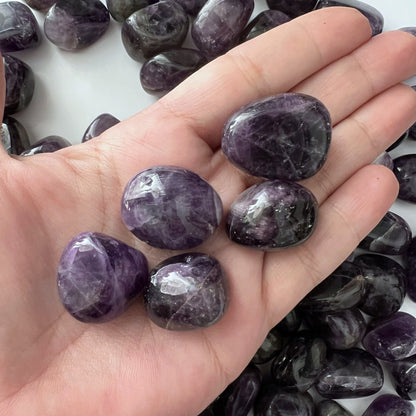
x=404, y=136
x=342, y=289
x=375, y=18
x=411, y=270
x=170, y=207
x=331, y=408
x=291, y=322
x=384, y=159
x=186, y=292
x=18, y=27
x=99, y=125
x=275, y=341
x=264, y=21
x=218, y=25
x=405, y=171
x=292, y=8
x=76, y=24
x=120, y=10
x=389, y=405
x=192, y=7
x=272, y=214
x=299, y=364
x=403, y=377
x=166, y=70
x=14, y=137
x=98, y=276
x=409, y=29
x=41, y=5
x=286, y=136
x=154, y=29
x=350, y=374
x=20, y=84
x=392, y=235
x=48, y=144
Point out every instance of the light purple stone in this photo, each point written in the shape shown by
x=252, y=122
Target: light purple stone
x=99, y=125
x=218, y=25
x=293, y=8
x=98, y=276
x=18, y=27
x=192, y=7
x=411, y=30
x=186, y=292
x=389, y=405
x=41, y=5
x=48, y=144
x=286, y=136
x=76, y=24
x=170, y=207
x=120, y=10
x=384, y=159
x=405, y=171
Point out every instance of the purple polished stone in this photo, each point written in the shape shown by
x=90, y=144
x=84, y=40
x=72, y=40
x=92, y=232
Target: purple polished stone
x=186, y=292
x=14, y=137
x=349, y=374
x=286, y=136
x=389, y=405
x=375, y=18
x=120, y=10
x=384, y=159
x=165, y=71
x=411, y=30
x=41, y=5
x=274, y=343
x=170, y=207
x=192, y=7
x=411, y=270
x=404, y=136
x=18, y=27
x=20, y=84
x=99, y=125
x=405, y=171
x=292, y=8
x=76, y=24
x=272, y=214
x=412, y=129
x=291, y=322
x=154, y=29
x=392, y=338
x=98, y=276
x=403, y=377
x=48, y=144
x=218, y=25
x=331, y=408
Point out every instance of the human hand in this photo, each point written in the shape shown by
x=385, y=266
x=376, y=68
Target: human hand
x=52, y=364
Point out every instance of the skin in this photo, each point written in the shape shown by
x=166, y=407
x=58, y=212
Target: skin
x=54, y=365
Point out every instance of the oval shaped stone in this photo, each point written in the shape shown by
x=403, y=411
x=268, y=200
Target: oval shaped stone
x=186, y=292
x=275, y=341
x=389, y=405
x=384, y=159
x=48, y=144
x=14, y=137
x=170, y=207
x=403, y=377
x=98, y=276
x=218, y=25
x=99, y=125
x=286, y=136
x=411, y=270
x=405, y=171
x=349, y=374
x=331, y=408
x=272, y=214
x=166, y=70
x=120, y=10
x=292, y=8
x=41, y=5
x=192, y=7
x=154, y=29
x=291, y=322
x=76, y=24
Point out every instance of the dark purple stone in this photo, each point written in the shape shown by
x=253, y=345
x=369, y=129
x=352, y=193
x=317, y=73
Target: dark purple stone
x=411, y=30
x=120, y=10
x=207, y=412
x=331, y=408
x=411, y=270
x=263, y=22
x=154, y=29
x=286, y=136
x=375, y=18
x=20, y=84
x=389, y=405
x=186, y=292
x=350, y=374
x=14, y=137
x=342, y=289
x=98, y=276
x=19, y=28
x=272, y=214
x=291, y=7
x=392, y=338
x=291, y=322
x=403, y=377
x=76, y=24
x=192, y=7
x=384, y=159
x=166, y=70
x=405, y=171
x=99, y=125
x=404, y=136
x=218, y=25
x=170, y=207
x=275, y=341
x=48, y=144
x=41, y=5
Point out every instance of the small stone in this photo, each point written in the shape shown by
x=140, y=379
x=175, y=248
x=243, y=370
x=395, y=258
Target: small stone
x=170, y=207
x=120, y=10
x=192, y=7
x=384, y=159
x=48, y=144
x=291, y=322
x=99, y=125
x=350, y=374
x=218, y=25
x=98, y=276
x=411, y=30
x=76, y=24
x=403, y=377
x=154, y=29
x=186, y=292
x=411, y=270
x=274, y=343
x=14, y=137
x=20, y=84
x=331, y=408
x=272, y=214
x=165, y=71
x=389, y=405
x=286, y=136
x=292, y=8
x=392, y=338
x=19, y=28
x=405, y=171
x=41, y=5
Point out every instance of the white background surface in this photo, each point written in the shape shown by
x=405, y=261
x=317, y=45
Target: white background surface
x=73, y=88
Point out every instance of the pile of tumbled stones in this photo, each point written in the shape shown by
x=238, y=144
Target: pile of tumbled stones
x=317, y=346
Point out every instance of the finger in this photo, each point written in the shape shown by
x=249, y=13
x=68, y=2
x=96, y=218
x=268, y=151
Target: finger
x=344, y=220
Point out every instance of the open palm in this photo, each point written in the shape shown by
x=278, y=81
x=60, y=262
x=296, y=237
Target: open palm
x=51, y=364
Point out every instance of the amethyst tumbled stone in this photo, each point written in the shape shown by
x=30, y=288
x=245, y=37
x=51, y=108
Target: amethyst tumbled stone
x=389, y=405
x=98, y=276
x=192, y=7
x=273, y=344
x=48, y=144
x=403, y=377
x=120, y=10
x=170, y=207
x=411, y=270
x=186, y=292
x=40, y=4
x=14, y=137
x=286, y=136
x=76, y=24
x=272, y=214
x=331, y=408
x=384, y=159
x=99, y=125
x=291, y=7
x=405, y=171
